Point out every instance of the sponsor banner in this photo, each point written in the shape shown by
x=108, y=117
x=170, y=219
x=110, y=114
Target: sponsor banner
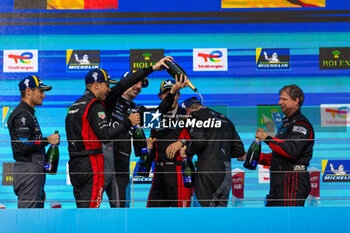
x=335, y=115
x=272, y=4
x=144, y=58
x=336, y=170
x=264, y=174
x=315, y=181
x=141, y=179
x=272, y=59
x=270, y=116
x=334, y=58
x=17, y=61
x=81, y=4
x=65, y=4
x=314, y=197
x=7, y=173
x=83, y=60
x=237, y=187
x=210, y=59
x=6, y=111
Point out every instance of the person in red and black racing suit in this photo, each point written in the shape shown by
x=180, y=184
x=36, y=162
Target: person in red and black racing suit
x=86, y=125
x=168, y=189
x=291, y=152
x=214, y=146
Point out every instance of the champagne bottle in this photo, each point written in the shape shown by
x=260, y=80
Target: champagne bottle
x=140, y=144
x=51, y=161
x=175, y=69
x=187, y=172
x=145, y=163
x=253, y=155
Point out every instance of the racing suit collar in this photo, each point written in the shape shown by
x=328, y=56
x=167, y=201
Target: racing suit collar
x=27, y=106
x=89, y=92
x=126, y=101
x=297, y=112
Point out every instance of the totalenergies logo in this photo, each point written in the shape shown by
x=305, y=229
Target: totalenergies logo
x=22, y=58
x=341, y=112
x=213, y=56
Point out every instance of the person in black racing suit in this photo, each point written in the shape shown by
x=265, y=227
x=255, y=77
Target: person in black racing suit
x=117, y=109
x=28, y=145
x=86, y=126
x=291, y=152
x=215, y=141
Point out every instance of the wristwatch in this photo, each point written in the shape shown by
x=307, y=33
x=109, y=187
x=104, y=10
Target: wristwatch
x=183, y=141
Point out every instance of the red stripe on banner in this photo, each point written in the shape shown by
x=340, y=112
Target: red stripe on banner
x=101, y=4
x=306, y=4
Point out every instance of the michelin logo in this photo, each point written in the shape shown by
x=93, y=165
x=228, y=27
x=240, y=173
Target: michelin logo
x=335, y=171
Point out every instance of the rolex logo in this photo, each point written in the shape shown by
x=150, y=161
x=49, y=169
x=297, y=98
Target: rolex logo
x=147, y=56
x=336, y=53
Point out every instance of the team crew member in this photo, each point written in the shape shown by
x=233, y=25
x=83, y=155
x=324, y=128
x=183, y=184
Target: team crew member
x=115, y=105
x=118, y=109
x=167, y=187
x=86, y=125
x=214, y=153
x=28, y=144
x=291, y=152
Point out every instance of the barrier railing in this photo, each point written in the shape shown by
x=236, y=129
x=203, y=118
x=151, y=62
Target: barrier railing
x=332, y=194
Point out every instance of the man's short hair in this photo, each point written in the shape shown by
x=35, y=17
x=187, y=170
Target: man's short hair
x=196, y=105
x=294, y=92
x=23, y=92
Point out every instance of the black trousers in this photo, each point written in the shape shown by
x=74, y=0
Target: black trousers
x=288, y=188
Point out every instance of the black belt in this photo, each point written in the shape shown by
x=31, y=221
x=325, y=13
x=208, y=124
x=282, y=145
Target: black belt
x=162, y=164
x=289, y=167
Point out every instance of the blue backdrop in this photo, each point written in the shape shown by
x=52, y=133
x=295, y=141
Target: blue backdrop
x=178, y=28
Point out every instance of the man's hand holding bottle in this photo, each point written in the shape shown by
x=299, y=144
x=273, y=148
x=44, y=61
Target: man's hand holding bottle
x=180, y=82
x=54, y=139
x=150, y=142
x=161, y=64
x=135, y=119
